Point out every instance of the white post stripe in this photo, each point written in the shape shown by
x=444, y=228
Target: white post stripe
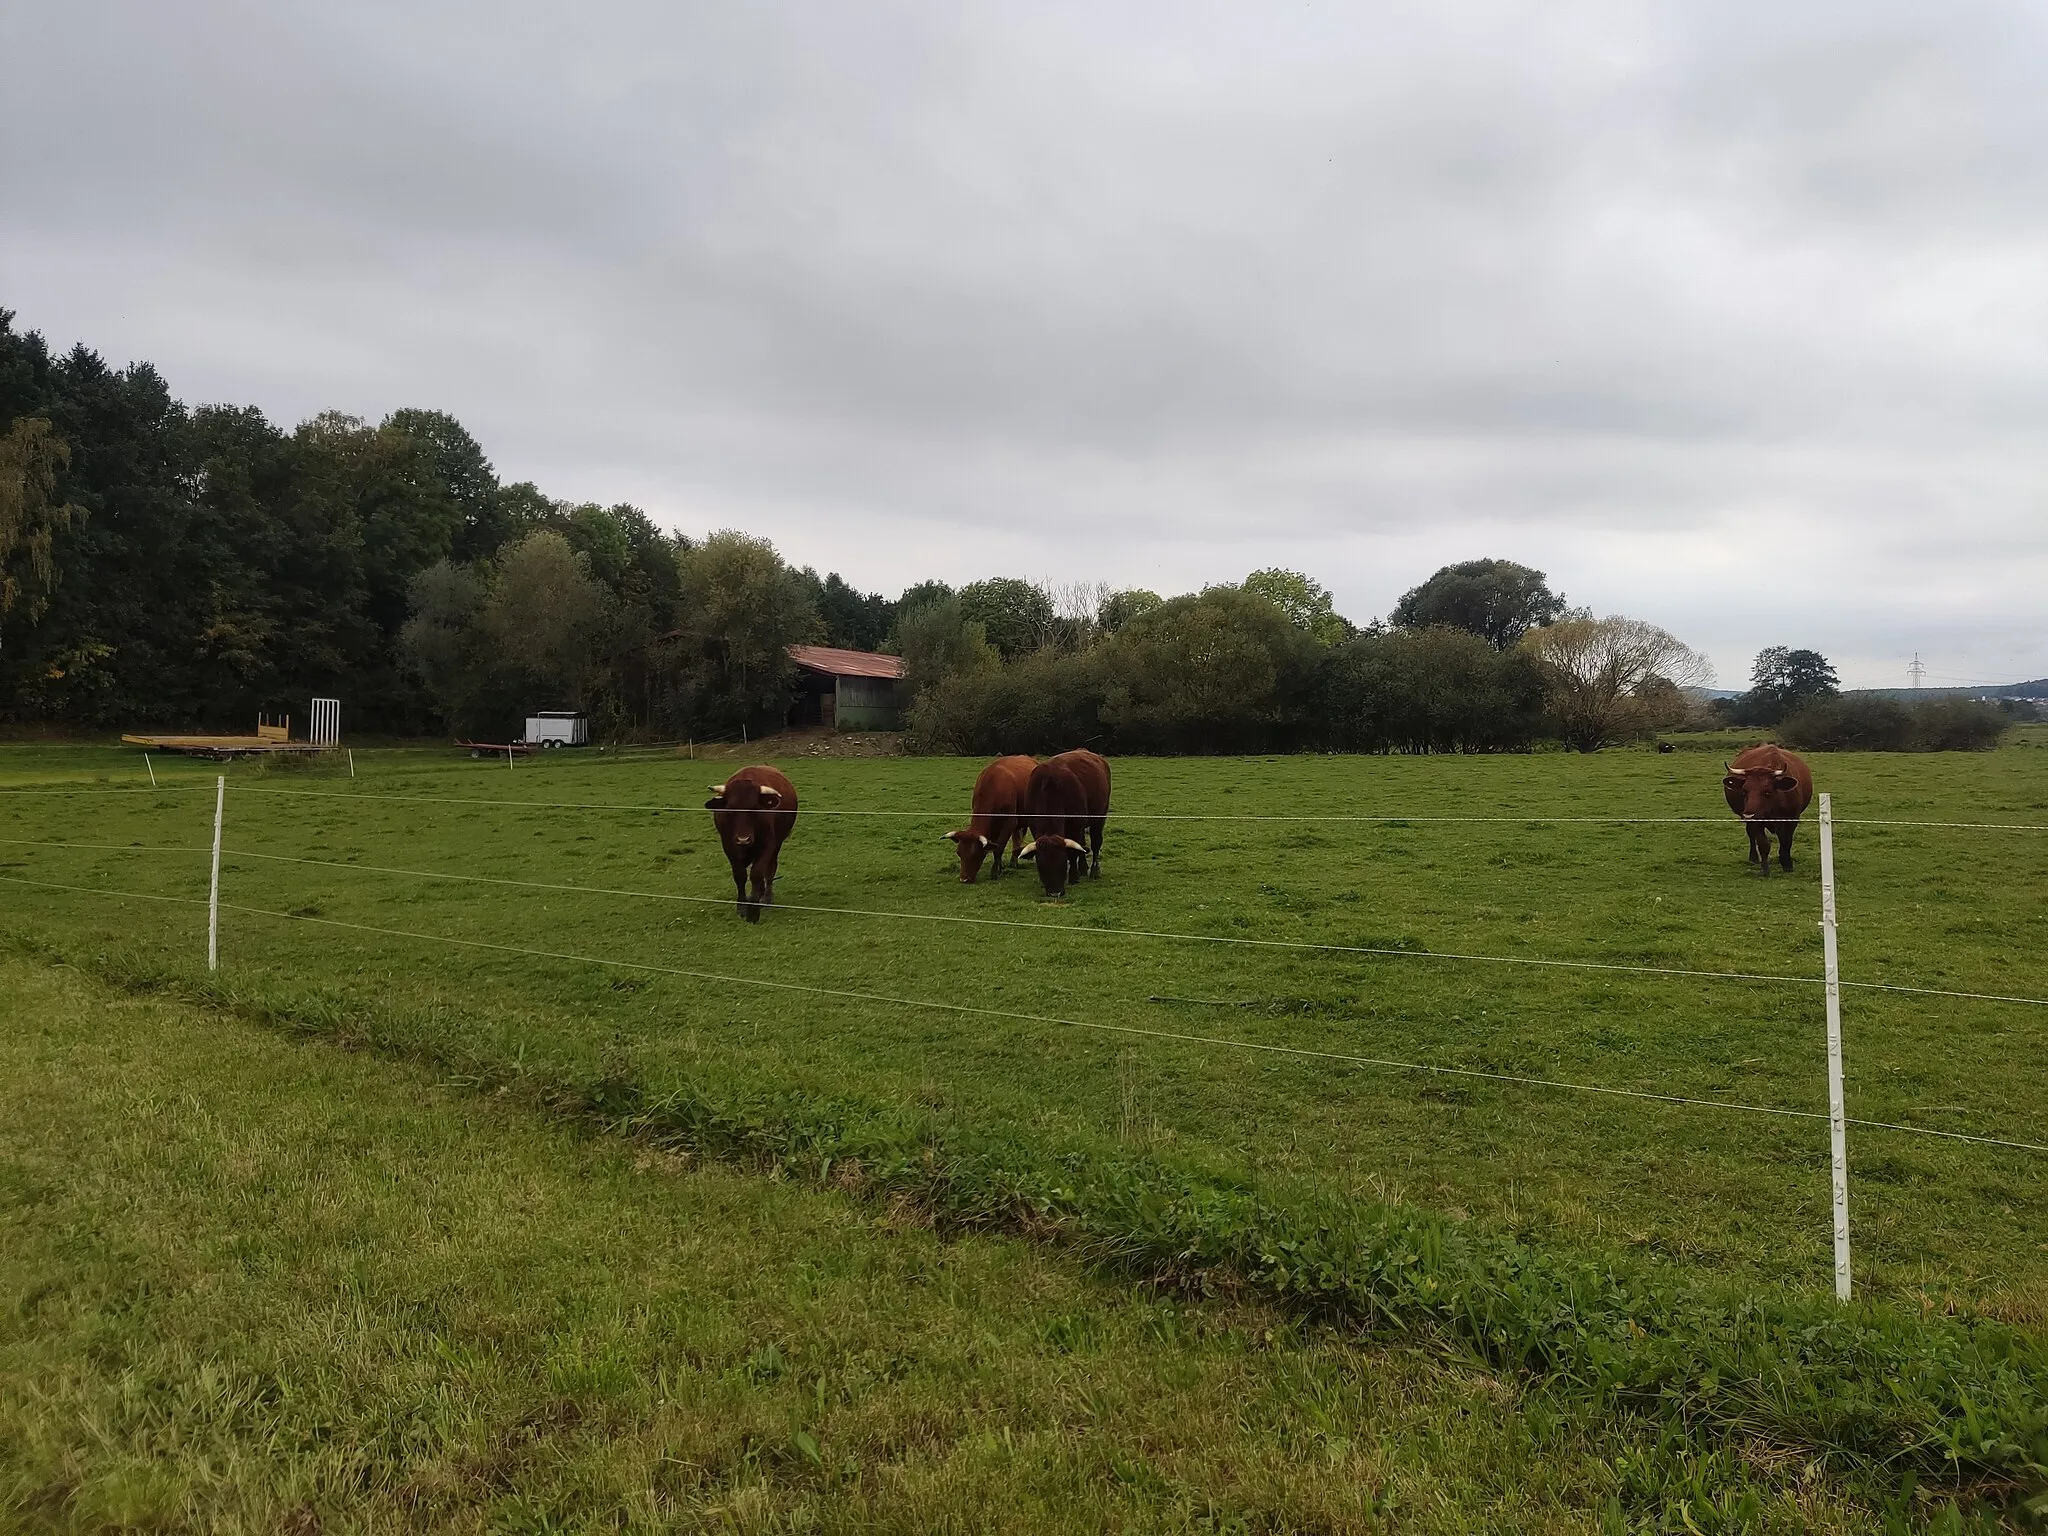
x=325, y=729
x=220, y=805
x=1838, y=1135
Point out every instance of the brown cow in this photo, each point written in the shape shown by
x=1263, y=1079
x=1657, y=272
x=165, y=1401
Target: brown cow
x=754, y=812
x=1066, y=804
x=995, y=817
x=1768, y=787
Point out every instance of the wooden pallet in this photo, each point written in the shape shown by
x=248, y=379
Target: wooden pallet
x=221, y=747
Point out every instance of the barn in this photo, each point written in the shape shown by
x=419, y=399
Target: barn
x=847, y=690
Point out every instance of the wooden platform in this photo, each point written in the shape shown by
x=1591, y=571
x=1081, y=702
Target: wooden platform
x=221, y=747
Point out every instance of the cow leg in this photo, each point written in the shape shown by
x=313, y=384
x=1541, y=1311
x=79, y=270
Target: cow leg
x=770, y=862
x=1095, y=845
x=751, y=908
x=739, y=885
x=1760, y=847
x=1785, y=831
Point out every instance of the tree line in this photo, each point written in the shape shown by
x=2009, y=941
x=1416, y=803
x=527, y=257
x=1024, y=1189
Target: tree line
x=169, y=566
x=1798, y=697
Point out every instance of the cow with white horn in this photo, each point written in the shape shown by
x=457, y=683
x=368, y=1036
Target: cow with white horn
x=1768, y=788
x=1066, y=802
x=995, y=817
x=754, y=812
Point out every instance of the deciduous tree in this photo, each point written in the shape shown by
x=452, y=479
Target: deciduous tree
x=32, y=456
x=1306, y=602
x=1497, y=600
x=1606, y=678
x=1781, y=681
x=742, y=610
x=1017, y=616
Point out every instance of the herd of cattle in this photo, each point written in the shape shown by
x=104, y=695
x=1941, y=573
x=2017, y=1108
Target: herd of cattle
x=1060, y=806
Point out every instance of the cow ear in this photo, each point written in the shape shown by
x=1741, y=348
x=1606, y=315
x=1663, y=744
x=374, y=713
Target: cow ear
x=716, y=803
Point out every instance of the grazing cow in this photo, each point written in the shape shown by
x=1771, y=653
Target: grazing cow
x=754, y=811
x=1066, y=804
x=995, y=817
x=1768, y=787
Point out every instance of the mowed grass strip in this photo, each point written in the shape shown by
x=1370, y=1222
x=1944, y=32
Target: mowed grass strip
x=251, y=1285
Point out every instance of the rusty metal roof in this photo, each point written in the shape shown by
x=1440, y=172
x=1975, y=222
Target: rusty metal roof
x=837, y=663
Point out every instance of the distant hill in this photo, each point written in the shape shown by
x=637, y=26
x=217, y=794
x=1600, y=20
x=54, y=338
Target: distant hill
x=2037, y=689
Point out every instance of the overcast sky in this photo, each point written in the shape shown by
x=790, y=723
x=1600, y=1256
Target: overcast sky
x=1731, y=316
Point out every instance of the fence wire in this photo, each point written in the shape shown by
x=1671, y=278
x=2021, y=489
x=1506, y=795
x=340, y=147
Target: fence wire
x=1179, y=1036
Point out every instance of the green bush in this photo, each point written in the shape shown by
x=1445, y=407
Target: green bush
x=1427, y=690
x=1045, y=702
x=1960, y=725
x=1224, y=671
x=1874, y=724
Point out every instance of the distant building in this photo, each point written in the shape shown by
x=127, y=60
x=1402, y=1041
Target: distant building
x=848, y=690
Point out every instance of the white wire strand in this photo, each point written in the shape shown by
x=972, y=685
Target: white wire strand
x=23, y=842
x=956, y=814
x=1074, y=928
x=1142, y=933
x=1226, y=1042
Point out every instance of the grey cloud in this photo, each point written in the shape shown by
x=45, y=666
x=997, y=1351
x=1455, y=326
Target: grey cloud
x=1161, y=292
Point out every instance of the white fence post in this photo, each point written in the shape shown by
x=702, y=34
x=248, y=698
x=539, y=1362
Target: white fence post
x=1837, y=1120
x=326, y=723
x=220, y=805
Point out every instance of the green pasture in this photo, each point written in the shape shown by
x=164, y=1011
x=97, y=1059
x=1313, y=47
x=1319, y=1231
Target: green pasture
x=1710, y=1190
x=249, y=1285
x=884, y=1008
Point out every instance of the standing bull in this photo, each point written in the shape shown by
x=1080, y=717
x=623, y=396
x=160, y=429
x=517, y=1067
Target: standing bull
x=995, y=817
x=754, y=812
x=1768, y=787
x=1066, y=804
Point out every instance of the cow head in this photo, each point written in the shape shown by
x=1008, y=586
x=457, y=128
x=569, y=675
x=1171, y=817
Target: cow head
x=737, y=809
x=1056, y=858
x=972, y=848
x=1762, y=794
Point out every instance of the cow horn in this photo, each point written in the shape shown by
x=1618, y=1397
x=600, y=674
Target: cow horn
x=718, y=789
x=772, y=796
x=1028, y=849
x=981, y=840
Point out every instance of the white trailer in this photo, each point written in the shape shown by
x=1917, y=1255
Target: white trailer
x=557, y=728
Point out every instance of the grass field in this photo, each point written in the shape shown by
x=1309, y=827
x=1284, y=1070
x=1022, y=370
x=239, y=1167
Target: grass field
x=1734, y=1199
x=265, y=1287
